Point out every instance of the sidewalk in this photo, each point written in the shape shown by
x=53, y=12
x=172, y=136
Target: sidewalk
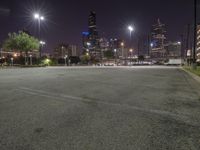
x=194, y=76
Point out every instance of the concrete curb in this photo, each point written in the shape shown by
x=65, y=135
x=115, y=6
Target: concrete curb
x=194, y=76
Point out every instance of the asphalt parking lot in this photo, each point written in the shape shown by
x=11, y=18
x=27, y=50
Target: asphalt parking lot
x=88, y=108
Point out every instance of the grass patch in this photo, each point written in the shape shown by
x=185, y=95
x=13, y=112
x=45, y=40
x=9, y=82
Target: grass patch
x=197, y=71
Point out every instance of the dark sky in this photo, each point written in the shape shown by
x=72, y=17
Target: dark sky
x=65, y=20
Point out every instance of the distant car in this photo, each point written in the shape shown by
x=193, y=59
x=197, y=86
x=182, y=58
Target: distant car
x=109, y=64
x=99, y=64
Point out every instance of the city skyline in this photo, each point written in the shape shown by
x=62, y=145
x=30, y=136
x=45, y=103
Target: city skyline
x=112, y=18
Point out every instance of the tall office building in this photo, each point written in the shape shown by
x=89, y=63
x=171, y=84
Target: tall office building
x=93, y=35
x=198, y=43
x=92, y=27
x=91, y=42
x=158, y=40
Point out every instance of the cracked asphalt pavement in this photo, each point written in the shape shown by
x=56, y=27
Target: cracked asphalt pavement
x=99, y=108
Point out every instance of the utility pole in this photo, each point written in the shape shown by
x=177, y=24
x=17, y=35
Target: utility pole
x=187, y=45
x=138, y=49
x=182, y=47
x=148, y=45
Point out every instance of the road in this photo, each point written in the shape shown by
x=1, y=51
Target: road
x=138, y=108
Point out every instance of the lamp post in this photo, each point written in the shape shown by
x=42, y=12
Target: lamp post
x=31, y=62
x=130, y=28
x=115, y=50
x=65, y=60
x=39, y=18
x=42, y=43
x=131, y=52
x=123, y=54
x=12, y=60
x=88, y=44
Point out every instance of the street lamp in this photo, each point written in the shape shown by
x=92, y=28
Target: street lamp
x=31, y=62
x=62, y=51
x=12, y=59
x=179, y=43
x=115, y=50
x=124, y=54
x=65, y=60
x=39, y=18
x=88, y=44
x=130, y=28
x=15, y=55
x=122, y=45
x=42, y=43
x=152, y=45
x=131, y=52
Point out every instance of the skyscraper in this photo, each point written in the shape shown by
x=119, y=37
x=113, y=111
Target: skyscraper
x=158, y=40
x=92, y=27
x=93, y=33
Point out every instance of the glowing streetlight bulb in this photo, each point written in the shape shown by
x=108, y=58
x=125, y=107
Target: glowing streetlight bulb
x=15, y=55
x=41, y=18
x=130, y=28
x=42, y=43
x=88, y=44
x=36, y=16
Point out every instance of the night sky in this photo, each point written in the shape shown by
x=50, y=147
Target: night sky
x=66, y=20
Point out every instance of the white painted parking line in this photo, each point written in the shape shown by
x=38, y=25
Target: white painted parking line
x=64, y=97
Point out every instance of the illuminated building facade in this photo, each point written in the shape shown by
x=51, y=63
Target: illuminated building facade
x=158, y=41
x=198, y=43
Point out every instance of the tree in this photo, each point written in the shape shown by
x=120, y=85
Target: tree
x=109, y=54
x=141, y=58
x=85, y=59
x=21, y=41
